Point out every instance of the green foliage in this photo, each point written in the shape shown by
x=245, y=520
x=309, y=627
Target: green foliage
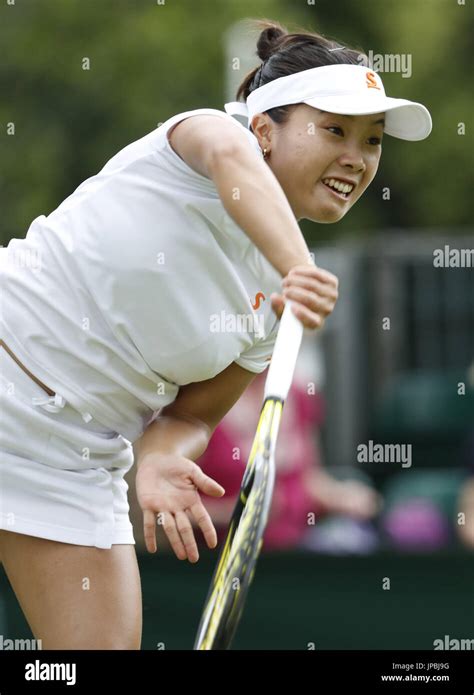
x=149, y=61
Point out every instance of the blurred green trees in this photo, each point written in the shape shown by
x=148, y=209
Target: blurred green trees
x=81, y=79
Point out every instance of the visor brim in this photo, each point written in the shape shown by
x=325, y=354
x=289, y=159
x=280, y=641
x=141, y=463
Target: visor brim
x=404, y=119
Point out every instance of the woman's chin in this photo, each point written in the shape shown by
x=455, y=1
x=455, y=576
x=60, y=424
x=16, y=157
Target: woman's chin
x=326, y=215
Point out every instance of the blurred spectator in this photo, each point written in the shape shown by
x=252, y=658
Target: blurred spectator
x=423, y=508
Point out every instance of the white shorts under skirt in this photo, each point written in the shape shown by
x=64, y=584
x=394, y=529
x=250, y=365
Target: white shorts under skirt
x=61, y=478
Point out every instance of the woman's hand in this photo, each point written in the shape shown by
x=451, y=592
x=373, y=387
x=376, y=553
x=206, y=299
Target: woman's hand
x=313, y=293
x=167, y=485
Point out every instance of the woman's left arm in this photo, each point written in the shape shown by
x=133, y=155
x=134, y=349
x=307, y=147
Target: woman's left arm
x=168, y=481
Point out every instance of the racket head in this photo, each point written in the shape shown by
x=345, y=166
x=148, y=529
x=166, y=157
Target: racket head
x=236, y=564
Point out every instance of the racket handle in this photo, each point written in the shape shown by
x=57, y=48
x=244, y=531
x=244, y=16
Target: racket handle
x=285, y=354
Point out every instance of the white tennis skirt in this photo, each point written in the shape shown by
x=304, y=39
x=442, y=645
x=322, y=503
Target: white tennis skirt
x=61, y=478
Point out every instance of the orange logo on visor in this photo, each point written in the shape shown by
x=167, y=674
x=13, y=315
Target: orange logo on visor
x=371, y=81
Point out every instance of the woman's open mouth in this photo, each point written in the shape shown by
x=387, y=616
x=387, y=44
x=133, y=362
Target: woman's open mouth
x=341, y=189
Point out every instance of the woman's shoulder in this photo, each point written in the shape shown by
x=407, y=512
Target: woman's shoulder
x=178, y=117
x=193, y=137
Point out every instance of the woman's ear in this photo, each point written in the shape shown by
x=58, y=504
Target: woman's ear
x=262, y=129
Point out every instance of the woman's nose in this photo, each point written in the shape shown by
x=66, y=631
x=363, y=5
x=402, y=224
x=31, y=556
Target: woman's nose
x=353, y=159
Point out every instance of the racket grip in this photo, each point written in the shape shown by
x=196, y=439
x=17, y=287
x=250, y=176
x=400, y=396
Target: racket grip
x=285, y=354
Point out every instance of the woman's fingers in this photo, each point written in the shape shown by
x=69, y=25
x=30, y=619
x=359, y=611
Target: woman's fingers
x=204, y=521
x=205, y=483
x=149, y=530
x=177, y=521
x=185, y=529
x=315, y=303
x=278, y=304
x=312, y=291
x=315, y=272
x=308, y=318
x=170, y=528
x=313, y=278
x=178, y=528
x=309, y=283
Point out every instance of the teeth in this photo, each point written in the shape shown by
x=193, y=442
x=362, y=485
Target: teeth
x=339, y=185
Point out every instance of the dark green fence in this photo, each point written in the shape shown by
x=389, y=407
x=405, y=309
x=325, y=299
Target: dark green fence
x=301, y=599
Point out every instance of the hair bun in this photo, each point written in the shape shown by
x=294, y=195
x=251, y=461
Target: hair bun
x=290, y=53
x=269, y=40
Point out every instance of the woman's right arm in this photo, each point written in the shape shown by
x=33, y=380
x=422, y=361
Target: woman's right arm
x=250, y=192
x=217, y=148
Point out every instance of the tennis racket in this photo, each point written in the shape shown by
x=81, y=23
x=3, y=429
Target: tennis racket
x=236, y=564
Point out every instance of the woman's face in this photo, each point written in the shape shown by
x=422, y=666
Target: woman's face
x=314, y=147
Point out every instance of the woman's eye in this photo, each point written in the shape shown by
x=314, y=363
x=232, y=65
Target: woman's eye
x=336, y=127
x=337, y=130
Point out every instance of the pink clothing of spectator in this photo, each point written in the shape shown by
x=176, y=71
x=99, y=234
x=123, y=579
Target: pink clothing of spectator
x=297, y=456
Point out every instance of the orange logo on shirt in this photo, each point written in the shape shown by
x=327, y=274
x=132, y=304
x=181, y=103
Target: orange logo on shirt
x=371, y=81
x=258, y=297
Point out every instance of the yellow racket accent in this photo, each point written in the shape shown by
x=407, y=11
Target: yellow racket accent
x=236, y=565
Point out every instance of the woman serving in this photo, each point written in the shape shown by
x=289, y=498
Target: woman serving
x=143, y=306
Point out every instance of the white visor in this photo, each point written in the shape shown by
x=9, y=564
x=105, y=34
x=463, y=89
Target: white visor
x=351, y=90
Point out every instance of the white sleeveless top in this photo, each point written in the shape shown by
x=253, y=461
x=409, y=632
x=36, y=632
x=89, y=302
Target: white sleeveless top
x=138, y=283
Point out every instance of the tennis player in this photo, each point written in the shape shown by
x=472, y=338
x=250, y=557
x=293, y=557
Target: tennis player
x=140, y=309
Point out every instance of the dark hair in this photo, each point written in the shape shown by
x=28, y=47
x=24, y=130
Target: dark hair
x=283, y=53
